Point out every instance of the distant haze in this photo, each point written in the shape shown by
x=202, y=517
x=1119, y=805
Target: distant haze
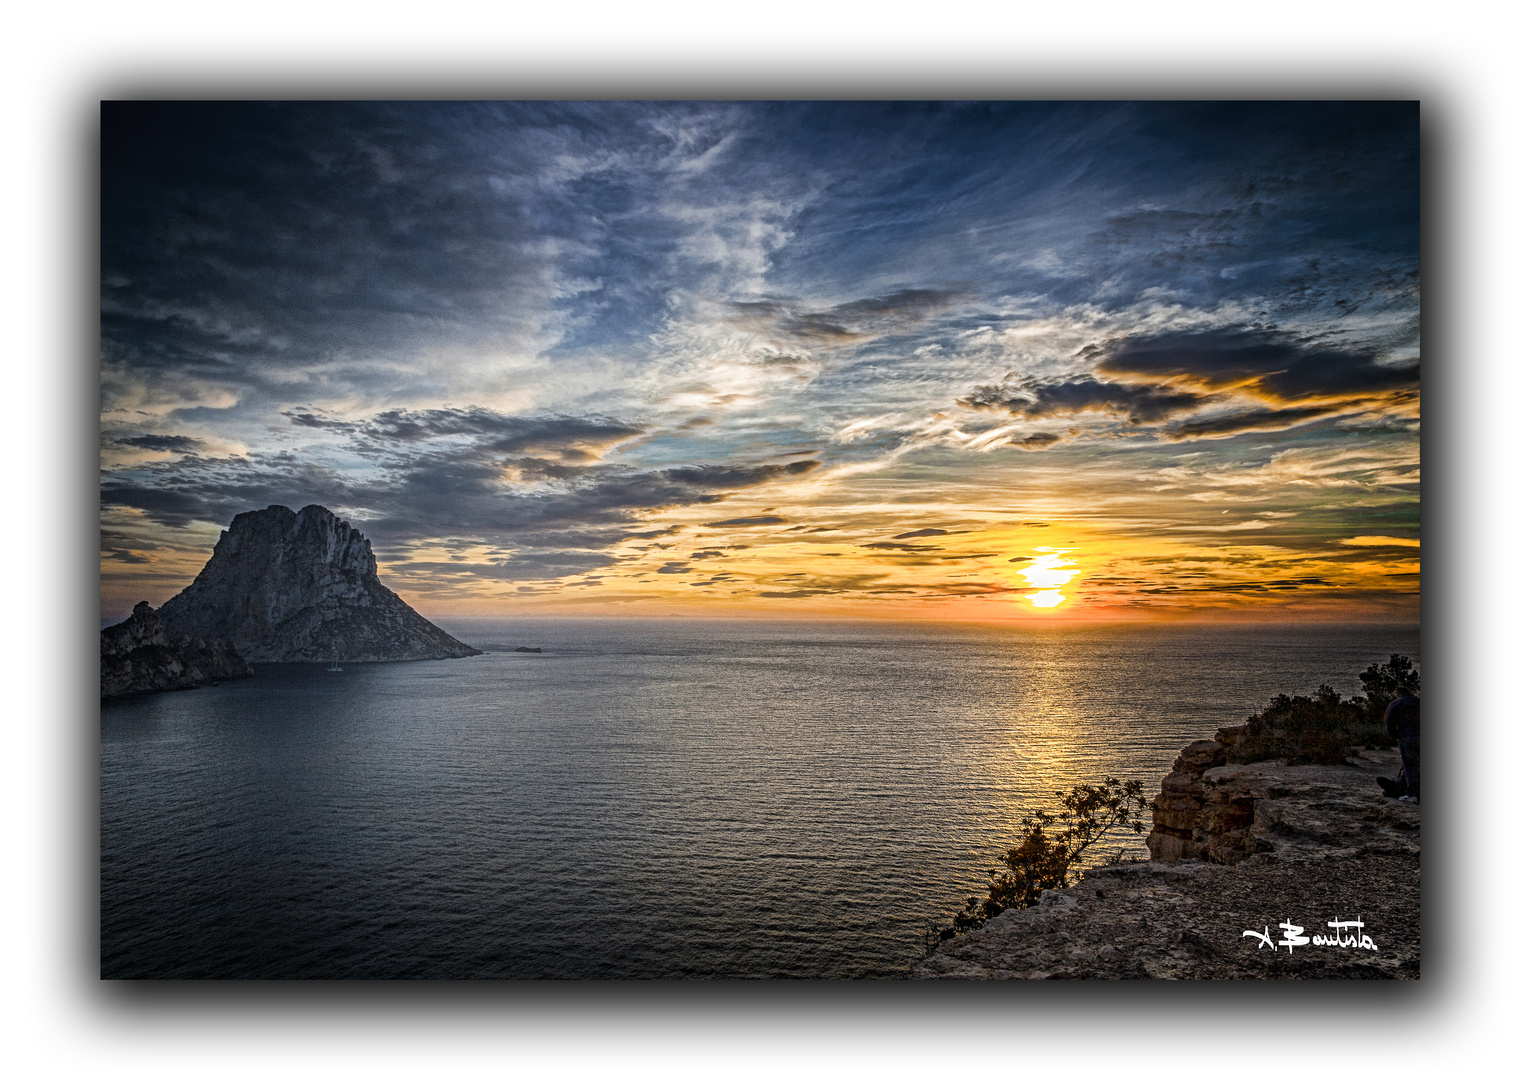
x=1036, y=361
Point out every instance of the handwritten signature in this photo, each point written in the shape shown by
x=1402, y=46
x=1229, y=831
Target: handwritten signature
x=1293, y=936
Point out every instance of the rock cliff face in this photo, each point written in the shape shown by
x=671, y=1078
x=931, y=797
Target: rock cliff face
x=288, y=587
x=280, y=587
x=1198, y=818
x=136, y=656
x=1235, y=849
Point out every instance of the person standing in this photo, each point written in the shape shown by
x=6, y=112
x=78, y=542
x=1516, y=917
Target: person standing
x=1402, y=721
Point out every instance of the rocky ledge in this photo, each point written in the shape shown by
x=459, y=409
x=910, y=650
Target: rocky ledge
x=1237, y=851
x=280, y=587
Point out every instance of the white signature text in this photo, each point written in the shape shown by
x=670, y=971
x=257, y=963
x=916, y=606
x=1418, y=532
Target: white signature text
x=1352, y=938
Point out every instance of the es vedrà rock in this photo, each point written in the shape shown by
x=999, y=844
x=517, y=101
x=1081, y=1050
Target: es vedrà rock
x=280, y=587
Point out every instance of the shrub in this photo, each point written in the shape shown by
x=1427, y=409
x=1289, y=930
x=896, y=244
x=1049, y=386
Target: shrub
x=1321, y=730
x=1049, y=848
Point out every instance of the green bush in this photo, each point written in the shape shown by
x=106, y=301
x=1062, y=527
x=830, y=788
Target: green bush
x=1321, y=730
x=1049, y=848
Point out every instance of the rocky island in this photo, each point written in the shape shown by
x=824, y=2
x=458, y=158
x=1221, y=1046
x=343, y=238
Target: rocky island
x=1257, y=871
x=280, y=587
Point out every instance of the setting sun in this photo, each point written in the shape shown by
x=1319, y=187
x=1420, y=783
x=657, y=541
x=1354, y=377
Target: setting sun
x=1048, y=572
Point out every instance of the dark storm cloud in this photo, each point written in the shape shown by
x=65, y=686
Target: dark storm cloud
x=1138, y=403
x=1268, y=365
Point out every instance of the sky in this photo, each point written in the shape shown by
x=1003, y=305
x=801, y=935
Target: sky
x=988, y=361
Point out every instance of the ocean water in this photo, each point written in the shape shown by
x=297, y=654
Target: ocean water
x=643, y=799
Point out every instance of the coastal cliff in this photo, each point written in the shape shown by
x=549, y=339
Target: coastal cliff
x=279, y=587
x=1236, y=850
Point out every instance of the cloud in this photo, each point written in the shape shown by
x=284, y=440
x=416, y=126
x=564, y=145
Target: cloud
x=1137, y=403
x=1251, y=420
x=252, y=238
x=450, y=473
x=458, y=495
x=921, y=532
x=582, y=437
x=1249, y=380
x=315, y=419
x=1381, y=541
x=1238, y=526
x=179, y=444
x=522, y=566
x=826, y=585
x=1270, y=366
x=735, y=522
x=848, y=323
x=571, y=437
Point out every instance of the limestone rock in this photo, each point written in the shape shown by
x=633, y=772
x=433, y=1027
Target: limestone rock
x=279, y=587
x=137, y=656
x=291, y=587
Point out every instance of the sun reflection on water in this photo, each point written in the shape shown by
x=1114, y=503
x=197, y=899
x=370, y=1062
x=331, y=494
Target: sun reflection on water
x=1047, y=573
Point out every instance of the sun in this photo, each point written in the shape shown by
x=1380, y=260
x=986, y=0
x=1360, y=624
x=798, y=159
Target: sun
x=1047, y=573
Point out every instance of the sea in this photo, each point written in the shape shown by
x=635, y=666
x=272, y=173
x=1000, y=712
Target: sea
x=643, y=799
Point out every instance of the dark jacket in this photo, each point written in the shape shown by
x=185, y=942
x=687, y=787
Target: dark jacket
x=1402, y=718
